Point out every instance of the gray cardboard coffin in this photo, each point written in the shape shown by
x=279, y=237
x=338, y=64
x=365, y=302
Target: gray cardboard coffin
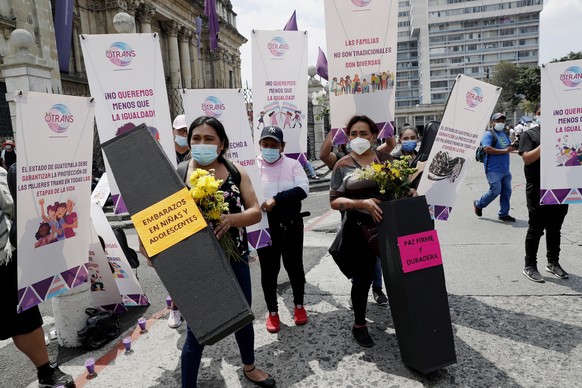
x=195, y=271
x=418, y=300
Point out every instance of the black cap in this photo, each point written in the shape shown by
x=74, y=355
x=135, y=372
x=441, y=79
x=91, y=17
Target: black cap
x=273, y=133
x=498, y=116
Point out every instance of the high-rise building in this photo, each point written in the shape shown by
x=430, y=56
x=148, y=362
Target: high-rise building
x=439, y=39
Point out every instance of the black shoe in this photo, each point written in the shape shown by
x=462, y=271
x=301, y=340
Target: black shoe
x=533, y=274
x=507, y=218
x=57, y=377
x=380, y=297
x=478, y=212
x=362, y=336
x=268, y=382
x=556, y=270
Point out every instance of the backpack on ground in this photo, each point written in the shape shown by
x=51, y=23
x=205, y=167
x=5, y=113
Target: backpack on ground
x=480, y=152
x=101, y=328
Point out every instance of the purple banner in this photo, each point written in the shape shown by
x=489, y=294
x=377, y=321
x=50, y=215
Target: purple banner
x=63, y=32
x=292, y=23
x=213, y=27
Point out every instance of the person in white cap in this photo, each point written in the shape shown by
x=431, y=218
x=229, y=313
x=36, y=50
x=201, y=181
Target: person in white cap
x=180, y=137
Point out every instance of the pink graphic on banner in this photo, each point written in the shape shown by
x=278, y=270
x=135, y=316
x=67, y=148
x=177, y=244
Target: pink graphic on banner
x=58, y=118
x=419, y=251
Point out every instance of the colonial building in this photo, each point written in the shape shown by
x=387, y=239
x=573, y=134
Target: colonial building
x=188, y=60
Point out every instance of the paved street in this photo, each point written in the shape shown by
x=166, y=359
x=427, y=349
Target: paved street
x=508, y=330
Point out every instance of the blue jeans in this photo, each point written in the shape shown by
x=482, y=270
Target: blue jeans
x=245, y=337
x=499, y=185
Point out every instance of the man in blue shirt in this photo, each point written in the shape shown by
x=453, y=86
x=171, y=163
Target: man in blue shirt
x=496, y=168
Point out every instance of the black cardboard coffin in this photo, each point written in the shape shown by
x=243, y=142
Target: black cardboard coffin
x=418, y=300
x=195, y=271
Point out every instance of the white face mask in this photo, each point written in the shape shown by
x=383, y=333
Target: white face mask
x=499, y=126
x=360, y=145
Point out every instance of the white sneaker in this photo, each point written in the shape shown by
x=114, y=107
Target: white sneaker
x=175, y=319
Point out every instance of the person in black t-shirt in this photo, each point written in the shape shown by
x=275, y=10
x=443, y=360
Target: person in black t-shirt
x=547, y=217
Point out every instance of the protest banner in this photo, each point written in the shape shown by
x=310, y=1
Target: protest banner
x=280, y=88
x=101, y=191
x=127, y=283
x=55, y=143
x=466, y=117
x=561, y=133
x=126, y=78
x=104, y=291
x=227, y=105
x=361, y=37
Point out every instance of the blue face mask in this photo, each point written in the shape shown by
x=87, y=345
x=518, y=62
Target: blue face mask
x=408, y=145
x=204, y=154
x=270, y=155
x=181, y=141
x=538, y=120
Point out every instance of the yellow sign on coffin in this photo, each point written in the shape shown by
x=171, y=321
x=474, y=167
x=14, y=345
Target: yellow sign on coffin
x=168, y=222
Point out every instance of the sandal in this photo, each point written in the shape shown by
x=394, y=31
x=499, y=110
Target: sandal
x=268, y=382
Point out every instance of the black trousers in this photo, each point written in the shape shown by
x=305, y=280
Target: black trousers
x=548, y=218
x=286, y=243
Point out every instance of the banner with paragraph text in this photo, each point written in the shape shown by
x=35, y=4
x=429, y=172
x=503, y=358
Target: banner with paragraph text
x=280, y=87
x=54, y=134
x=361, y=55
x=131, y=292
x=561, y=133
x=126, y=78
x=228, y=106
x=466, y=117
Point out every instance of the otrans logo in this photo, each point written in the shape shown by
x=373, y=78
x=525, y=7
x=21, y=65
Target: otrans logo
x=474, y=97
x=361, y=3
x=58, y=118
x=120, y=54
x=213, y=107
x=278, y=46
x=572, y=77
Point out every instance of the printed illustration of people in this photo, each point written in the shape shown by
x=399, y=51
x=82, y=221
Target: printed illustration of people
x=361, y=84
x=261, y=120
x=59, y=222
x=97, y=282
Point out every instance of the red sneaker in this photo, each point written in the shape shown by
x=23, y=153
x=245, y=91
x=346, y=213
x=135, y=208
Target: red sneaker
x=300, y=315
x=273, y=323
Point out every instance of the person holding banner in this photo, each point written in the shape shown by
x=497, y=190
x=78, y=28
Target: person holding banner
x=360, y=200
x=180, y=127
x=408, y=139
x=496, y=169
x=208, y=143
x=548, y=218
x=285, y=185
x=25, y=328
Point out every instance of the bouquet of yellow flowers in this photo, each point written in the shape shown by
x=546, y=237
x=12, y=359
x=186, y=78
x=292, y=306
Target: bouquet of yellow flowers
x=389, y=175
x=204, y=189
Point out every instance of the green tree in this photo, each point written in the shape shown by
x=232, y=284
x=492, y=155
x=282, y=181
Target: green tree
x=528, y=84
x=570, y=57
x=505, y=76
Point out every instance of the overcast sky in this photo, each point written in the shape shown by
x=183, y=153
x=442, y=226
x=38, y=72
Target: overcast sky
x=561, y=26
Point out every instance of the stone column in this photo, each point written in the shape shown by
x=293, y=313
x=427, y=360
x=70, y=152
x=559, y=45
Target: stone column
x=318, y=129
x=77, y=50
x=194, y=61
x=185, y=66
x=172, y=28
x=23, y=70
x=145, y=13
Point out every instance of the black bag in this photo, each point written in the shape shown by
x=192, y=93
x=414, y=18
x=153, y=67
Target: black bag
x=480, y=151
x=102, y=327
x=340, y=254
x=129, y=253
